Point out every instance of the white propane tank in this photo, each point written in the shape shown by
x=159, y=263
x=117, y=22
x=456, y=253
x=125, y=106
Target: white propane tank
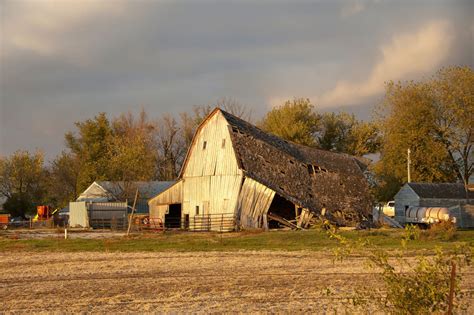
x=427, y=214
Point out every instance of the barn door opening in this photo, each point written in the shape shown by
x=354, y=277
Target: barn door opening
x=173, y=218
x=281, y=213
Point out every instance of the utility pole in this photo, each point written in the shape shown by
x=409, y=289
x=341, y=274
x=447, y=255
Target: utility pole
x=408, y=166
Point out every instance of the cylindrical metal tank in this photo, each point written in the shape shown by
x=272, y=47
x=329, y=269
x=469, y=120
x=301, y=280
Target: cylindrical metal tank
x=427, y=214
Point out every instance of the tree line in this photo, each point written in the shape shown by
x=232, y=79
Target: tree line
x=433, y=118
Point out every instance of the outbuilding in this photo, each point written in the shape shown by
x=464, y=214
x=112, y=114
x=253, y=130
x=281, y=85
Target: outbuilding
x=451, y=199
x=106, y=204
x=238, y=176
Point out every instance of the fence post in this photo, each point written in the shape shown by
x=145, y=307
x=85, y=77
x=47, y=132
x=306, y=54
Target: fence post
x=451, y=287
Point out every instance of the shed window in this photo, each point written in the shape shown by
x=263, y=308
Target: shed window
x=204, y=145
x=223, y=143
x=197, y=210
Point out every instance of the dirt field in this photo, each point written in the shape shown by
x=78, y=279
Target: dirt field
x=181, y=282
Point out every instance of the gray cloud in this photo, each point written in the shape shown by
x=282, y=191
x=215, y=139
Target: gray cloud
x=66, y=61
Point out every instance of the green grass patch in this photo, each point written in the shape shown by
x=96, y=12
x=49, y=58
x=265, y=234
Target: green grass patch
x=311, y=240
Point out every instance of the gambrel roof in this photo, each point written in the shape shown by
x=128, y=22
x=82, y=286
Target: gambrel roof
x=308, y=177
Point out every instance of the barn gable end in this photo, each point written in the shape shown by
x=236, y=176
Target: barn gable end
x=235, y=169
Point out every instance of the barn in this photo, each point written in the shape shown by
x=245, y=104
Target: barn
x=451, y=198
x=238, y=176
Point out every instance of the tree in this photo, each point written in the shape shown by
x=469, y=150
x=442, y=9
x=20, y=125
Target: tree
x=434, y=120
x=19, y=204
x=22, y=181
x=342, y=132
x=63, y=184
x=235, y=108
x=171, y=147
x=91, y=146
x=294, y=121
x=453, y=105
x=132, y=149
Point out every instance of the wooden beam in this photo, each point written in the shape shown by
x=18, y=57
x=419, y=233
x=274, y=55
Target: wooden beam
x=283, y=221
x=133, y=211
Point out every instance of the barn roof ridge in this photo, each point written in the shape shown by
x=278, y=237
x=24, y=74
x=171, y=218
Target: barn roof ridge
x=279, y=143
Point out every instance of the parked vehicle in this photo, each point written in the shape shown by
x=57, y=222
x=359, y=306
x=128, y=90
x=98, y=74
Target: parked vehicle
x=389, y=209
x=17, y=222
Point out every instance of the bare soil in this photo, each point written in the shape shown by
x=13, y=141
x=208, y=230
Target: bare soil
x=202, y=282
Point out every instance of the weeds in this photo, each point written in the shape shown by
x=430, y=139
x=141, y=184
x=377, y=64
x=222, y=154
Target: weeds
x=444, y=230
x=409, y=287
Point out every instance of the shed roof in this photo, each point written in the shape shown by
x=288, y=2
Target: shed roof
x=441, y=190
x=309, y=177
x=146, y=189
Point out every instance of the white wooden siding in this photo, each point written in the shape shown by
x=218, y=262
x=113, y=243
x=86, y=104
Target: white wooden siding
x=254, y=201
x=172, y=195
x=94, y=193
x=405, y=197
x=212, y=194
x=215, y=159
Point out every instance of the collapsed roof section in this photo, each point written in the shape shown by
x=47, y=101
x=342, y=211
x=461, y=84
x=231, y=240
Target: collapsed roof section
x=308, y=177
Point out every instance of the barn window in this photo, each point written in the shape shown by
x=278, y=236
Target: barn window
x=197, y=210
x=204, y=145
x=223, y=143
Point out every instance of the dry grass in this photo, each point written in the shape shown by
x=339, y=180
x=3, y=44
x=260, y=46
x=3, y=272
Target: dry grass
x=193, y=282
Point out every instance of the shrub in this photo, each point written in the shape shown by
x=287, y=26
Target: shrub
x=444, y=230
x=420, y=286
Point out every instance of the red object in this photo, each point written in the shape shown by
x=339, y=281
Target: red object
x=44, y=212
x=4, y=218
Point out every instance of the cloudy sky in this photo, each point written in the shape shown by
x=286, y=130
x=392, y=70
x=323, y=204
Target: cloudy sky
x=63, y=61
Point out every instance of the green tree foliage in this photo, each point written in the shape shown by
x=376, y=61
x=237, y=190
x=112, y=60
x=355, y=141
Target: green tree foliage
x=342, y=132
x=295, y=121
x=91, y=146
x=19, y=204
x=22, y=181
x=63, y=179
x=434, y=120
x=132, y=148
x=453, y=106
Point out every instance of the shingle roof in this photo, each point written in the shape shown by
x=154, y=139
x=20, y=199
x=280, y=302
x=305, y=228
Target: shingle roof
x=441, y=190
x=308, y=177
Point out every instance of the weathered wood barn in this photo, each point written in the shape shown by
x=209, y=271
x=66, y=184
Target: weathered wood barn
x=234, y=169
x=453, y=197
